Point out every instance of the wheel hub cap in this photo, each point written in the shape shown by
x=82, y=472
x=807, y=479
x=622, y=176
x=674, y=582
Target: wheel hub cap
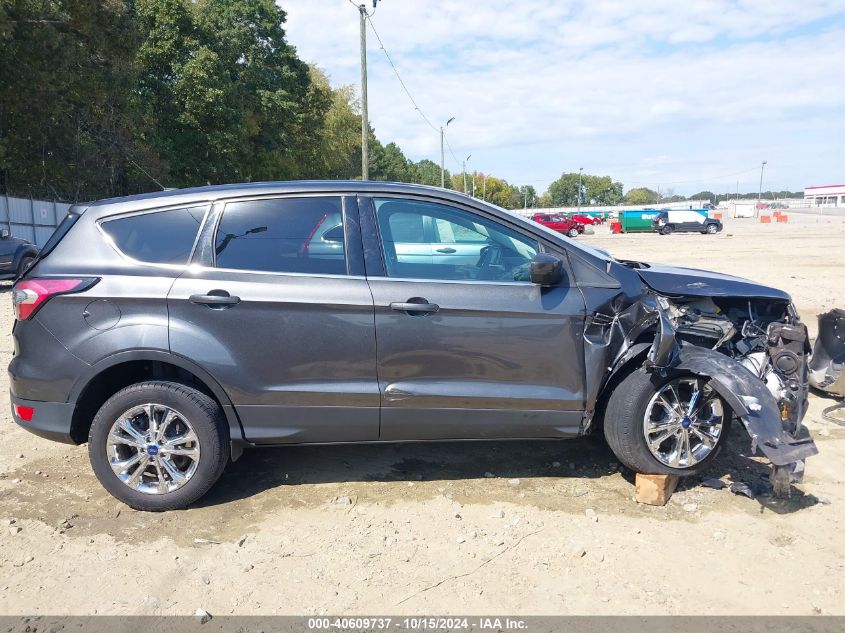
x=153, y=449
x=683, y=422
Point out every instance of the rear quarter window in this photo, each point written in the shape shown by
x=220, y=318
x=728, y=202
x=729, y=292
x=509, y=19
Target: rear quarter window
x=159, y=237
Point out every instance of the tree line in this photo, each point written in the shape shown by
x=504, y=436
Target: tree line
x=102, y=99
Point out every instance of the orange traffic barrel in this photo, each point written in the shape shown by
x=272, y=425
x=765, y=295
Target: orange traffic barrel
x=783, y=218
x=766, y=219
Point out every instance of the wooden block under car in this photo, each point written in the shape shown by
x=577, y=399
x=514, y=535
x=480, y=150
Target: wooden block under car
x=655, y=490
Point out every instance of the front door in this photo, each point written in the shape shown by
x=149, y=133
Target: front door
x=467, y=346
x=278, y=310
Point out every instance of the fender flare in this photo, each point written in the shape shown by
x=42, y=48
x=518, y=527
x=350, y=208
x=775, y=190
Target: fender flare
x=235, y=428
x=750, y=400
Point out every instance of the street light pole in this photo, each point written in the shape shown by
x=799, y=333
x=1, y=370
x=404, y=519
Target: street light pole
x=464, y=171
x=365, y=121
x=580, y=171
x=759, y=190
x=443, y=156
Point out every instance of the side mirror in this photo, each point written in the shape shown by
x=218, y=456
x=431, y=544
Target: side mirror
x=546, y=269
x=4, y=233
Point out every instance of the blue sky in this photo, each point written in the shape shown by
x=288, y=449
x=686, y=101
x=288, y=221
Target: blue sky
x=681, y=95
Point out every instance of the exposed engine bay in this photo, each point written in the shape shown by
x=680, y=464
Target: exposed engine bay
x=766, y=337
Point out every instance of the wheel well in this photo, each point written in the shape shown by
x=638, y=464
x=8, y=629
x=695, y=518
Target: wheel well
x=630, y=366
x=112, y=379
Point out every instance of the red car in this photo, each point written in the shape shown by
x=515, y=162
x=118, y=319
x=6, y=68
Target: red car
x=587, y=220
x=559, y=223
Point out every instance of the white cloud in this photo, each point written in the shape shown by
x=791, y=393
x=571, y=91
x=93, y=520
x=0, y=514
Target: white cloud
x=540, y=87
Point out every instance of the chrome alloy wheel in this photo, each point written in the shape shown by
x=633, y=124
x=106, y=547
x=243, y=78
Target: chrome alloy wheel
x=153, y=449
x=683, y=422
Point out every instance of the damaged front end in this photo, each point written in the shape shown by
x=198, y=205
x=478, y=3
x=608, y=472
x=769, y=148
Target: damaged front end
x=753, y=350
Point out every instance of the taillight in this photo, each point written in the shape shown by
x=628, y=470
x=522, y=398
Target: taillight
x=29, y=295
x=24, y=413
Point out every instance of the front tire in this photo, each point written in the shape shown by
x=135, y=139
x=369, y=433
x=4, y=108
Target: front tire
x=712, y=229
x=24, y=264
x=656, y=425
x=666, y=230
x=573, y=232
x=158, y=445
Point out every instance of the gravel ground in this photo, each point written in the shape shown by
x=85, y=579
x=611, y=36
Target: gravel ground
x=490, y=528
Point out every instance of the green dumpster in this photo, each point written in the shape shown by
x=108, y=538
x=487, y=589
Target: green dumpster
x=637, y=221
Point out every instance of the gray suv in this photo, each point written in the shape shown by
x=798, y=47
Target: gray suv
x=171, y=330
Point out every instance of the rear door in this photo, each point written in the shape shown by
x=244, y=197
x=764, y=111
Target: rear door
x=469, y=348
x=276, y=308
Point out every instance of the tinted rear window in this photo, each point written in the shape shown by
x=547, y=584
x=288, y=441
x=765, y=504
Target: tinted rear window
x=285, y=235
x=161, y=237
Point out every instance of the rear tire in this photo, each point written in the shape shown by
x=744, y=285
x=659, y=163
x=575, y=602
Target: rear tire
x=192, y=465
x=666, y=230
x=626, y=425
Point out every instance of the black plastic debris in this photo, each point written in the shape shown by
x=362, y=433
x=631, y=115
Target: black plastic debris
x=742, y=488
x=716, y=484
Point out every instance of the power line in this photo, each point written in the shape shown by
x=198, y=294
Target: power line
x=399, y=77
x=451, y=151
x=405, y=87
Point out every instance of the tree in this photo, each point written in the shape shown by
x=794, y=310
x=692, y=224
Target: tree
x=225, y=88
x=68, y=121
x=563, y=192
x=427, y=172
x=602, y=190
x=391, y=164
x=641, y=195
x=703, y=195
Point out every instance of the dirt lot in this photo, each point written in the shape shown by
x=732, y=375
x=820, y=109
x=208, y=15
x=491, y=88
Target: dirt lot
x=496, y=528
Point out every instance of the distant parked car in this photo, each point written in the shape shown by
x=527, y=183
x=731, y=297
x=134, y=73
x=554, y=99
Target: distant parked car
x=586, y=220
x=559, y=223
x=668, y=222
x=16, y=255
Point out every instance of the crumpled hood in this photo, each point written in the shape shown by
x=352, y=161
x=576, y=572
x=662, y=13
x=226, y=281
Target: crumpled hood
x=674, y=280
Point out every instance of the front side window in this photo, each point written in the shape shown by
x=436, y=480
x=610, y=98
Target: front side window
x=285, y=235
x=160, y=237
x=427, y=240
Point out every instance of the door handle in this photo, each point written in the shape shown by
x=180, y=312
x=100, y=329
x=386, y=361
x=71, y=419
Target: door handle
x=415, y=306
x=446, y=250
x=215, y=298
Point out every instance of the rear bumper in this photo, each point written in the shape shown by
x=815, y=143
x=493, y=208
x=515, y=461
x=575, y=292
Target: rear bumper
x=50, y=420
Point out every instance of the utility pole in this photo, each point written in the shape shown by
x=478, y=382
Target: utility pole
x=580, y=171
x=484, y=187
x=442, y=155
x=759, y=190
x=474, y=174
x=464, y=171
x=365, y=121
